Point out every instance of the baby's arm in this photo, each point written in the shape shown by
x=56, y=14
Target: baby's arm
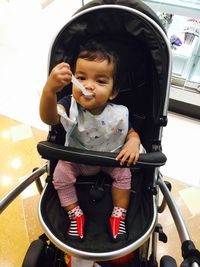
x=131, y=149
x=59, y=77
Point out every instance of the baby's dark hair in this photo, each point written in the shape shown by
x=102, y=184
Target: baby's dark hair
x=96, y=51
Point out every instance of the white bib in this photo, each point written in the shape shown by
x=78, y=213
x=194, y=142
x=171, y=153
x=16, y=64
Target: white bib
x=104, y=132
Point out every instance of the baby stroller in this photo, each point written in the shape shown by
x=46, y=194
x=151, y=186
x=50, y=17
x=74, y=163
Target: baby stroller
x=134, y=31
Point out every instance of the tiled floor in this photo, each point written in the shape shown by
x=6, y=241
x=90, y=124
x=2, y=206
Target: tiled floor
x=18, y=156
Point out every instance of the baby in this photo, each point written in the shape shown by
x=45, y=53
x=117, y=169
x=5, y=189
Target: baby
x=91, y=123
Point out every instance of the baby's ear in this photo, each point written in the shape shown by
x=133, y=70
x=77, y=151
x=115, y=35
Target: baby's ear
x=113, y=95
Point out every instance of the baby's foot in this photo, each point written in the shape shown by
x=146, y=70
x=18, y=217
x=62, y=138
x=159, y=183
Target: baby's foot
x=117, y=223
x=77, y=222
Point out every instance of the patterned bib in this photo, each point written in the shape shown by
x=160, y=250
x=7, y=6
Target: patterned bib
x=104, y=132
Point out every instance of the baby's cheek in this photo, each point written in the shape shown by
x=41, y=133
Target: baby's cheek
x=76, y=93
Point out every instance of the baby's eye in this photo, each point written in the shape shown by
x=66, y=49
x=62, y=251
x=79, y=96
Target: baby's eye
x=101, y=81
x=81, y=78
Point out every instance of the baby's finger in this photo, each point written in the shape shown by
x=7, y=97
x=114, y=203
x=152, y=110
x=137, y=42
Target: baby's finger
x=136, y=158
x=131, y=159
x=120, y=155
x=123, y=159
x=63, y=65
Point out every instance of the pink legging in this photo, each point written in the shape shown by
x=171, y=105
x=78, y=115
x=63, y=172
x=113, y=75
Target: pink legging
x=65, y=177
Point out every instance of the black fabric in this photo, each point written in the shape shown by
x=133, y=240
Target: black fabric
x=66, y=102
x=140, y=214
x=136, y=4
x=142, y=50
x=143, y=58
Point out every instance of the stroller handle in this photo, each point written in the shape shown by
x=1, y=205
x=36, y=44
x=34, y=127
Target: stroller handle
x=53, y=151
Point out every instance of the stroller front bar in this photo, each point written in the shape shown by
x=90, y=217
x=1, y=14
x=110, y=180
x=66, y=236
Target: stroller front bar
x=58, y=152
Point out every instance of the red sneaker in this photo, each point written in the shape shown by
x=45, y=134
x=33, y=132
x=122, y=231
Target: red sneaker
x=77, y=223
x=117, y=223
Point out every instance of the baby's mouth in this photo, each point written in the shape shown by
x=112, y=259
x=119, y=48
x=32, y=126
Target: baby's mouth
x=89, y=96
x=81, y=87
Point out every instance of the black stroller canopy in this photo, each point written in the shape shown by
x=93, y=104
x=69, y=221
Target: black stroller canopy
x=135, y=31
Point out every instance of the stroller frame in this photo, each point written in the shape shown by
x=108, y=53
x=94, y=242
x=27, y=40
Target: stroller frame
x=139, y=242
x=191, y=257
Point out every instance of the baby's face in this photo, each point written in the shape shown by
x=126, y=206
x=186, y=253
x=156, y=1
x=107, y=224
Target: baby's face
x=97, y=78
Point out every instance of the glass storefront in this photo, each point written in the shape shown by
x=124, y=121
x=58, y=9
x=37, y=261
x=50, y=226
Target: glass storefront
x=181, y=19
x=182, y=22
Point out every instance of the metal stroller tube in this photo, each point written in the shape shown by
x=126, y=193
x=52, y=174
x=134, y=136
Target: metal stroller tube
x=180, y=225
x=181, y=228
x=19, y=188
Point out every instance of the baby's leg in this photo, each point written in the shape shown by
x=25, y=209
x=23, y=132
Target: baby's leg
x=121, y=186
x=64, y=182
x=121, y=196
x=64, y=179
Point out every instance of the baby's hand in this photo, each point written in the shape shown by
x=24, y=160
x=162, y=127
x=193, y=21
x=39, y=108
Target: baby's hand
x=130, y=152
x=59, y=77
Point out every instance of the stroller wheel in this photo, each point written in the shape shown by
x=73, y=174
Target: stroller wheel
x=45, y=254
x=35, y=254
x=167, y=261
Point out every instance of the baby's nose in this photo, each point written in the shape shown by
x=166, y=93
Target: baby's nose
x=89, y=85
